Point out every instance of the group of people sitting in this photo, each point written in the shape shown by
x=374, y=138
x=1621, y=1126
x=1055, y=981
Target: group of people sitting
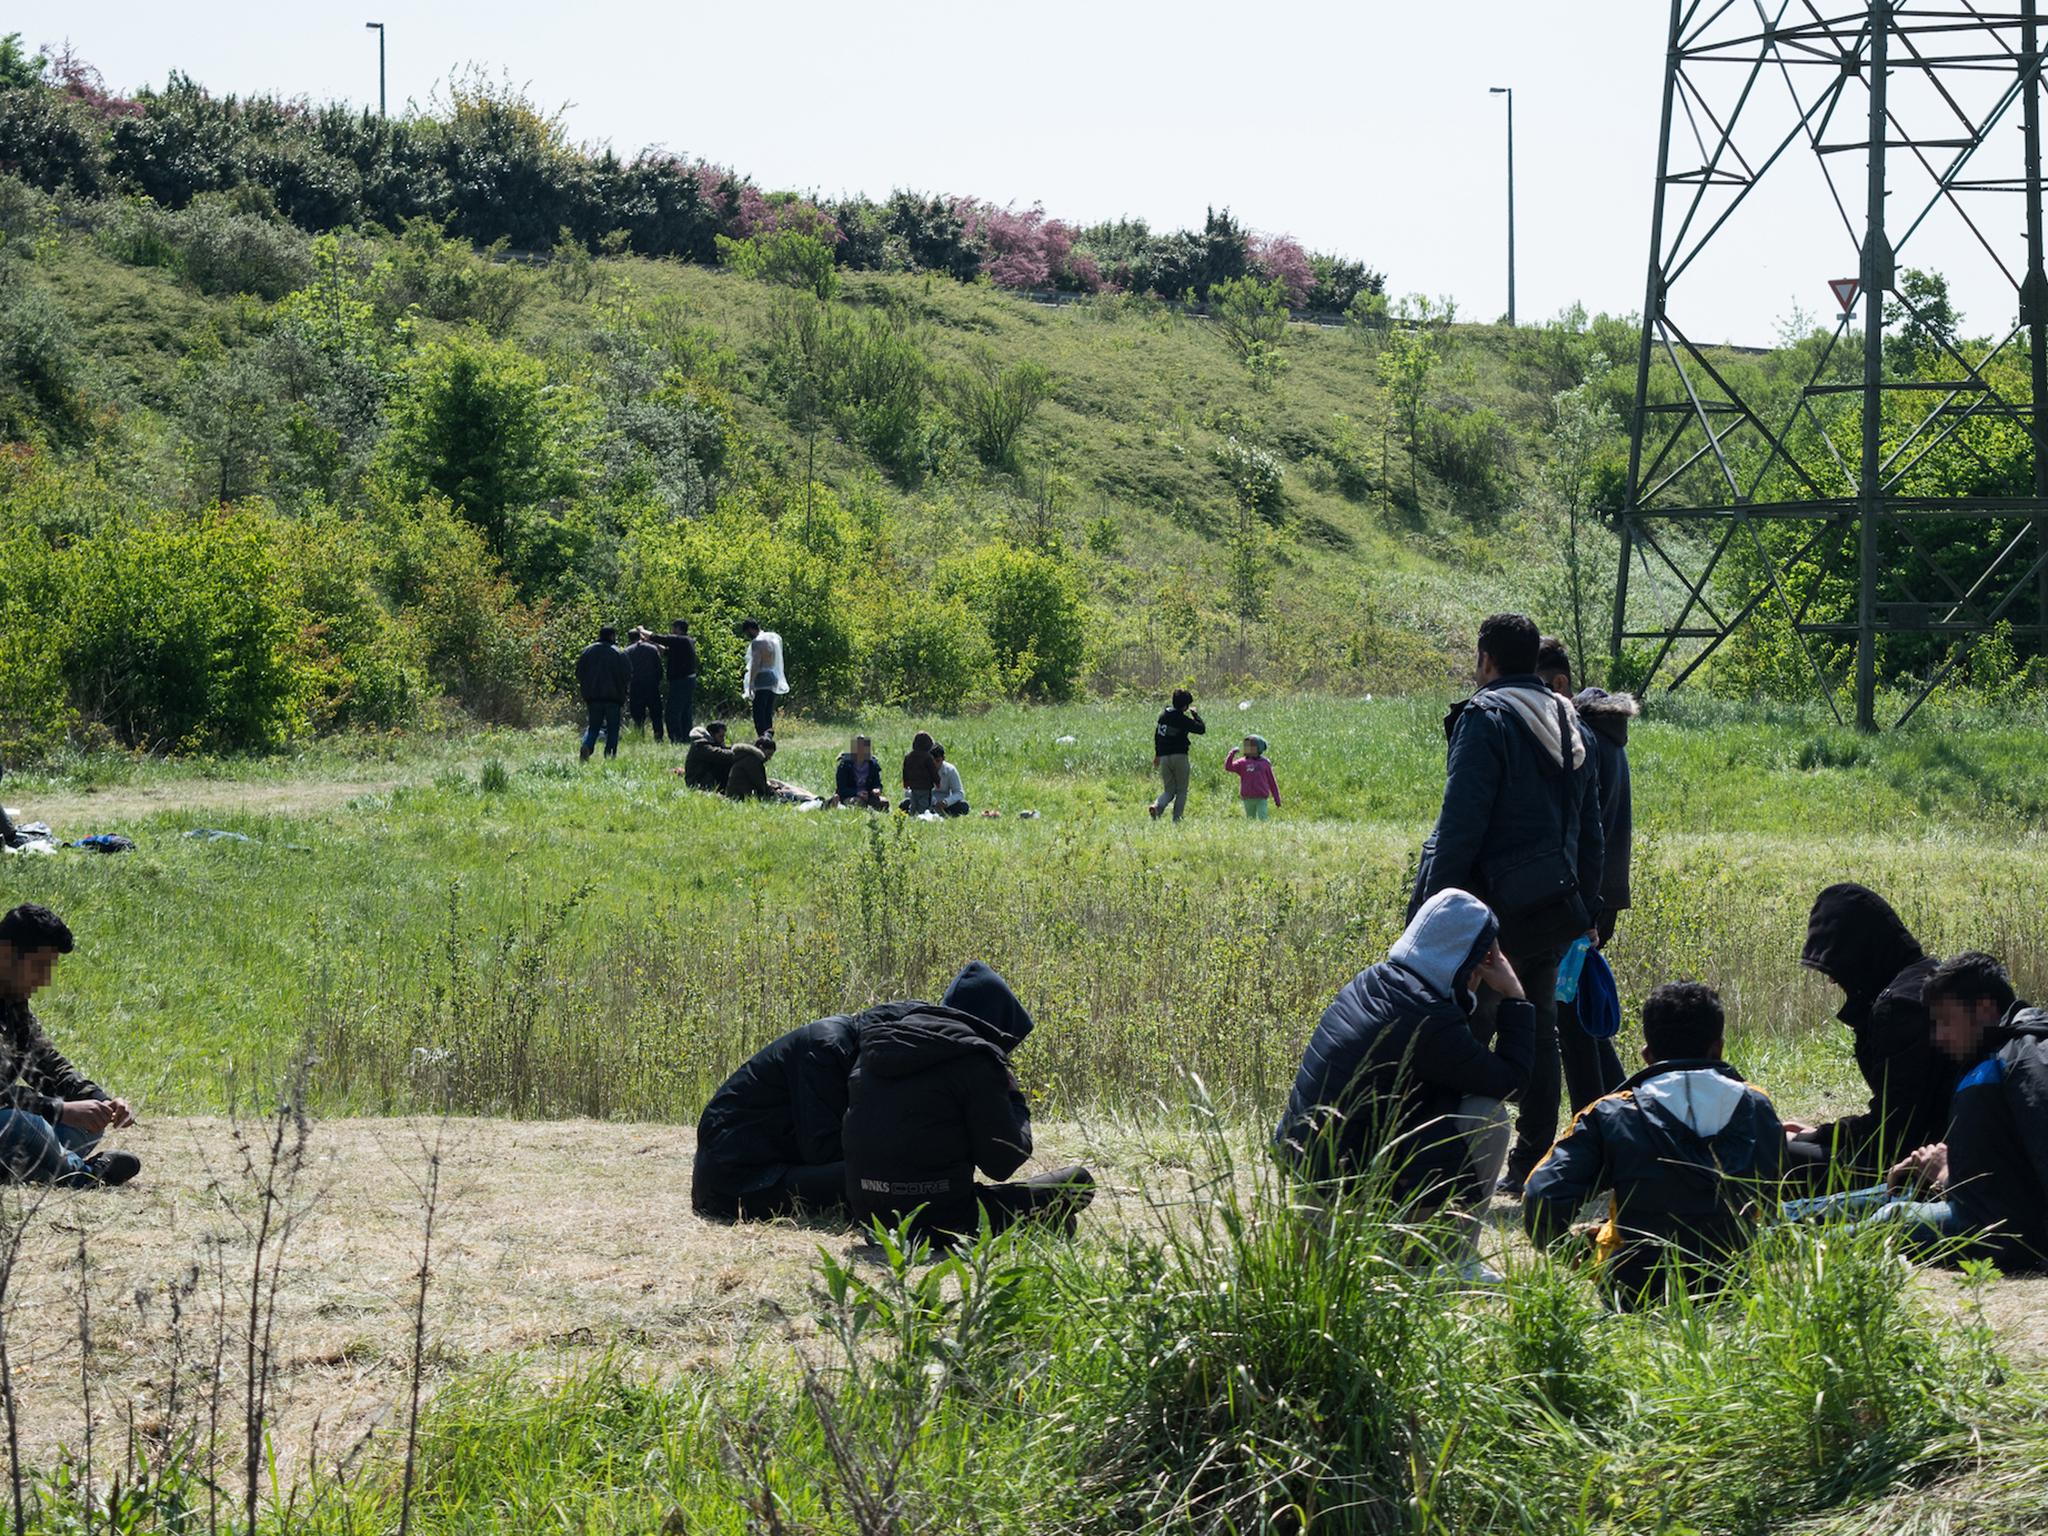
x=930, y=782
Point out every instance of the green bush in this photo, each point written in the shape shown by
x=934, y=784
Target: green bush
x=449, y=280
x=995, y=404
x=923, y=653
x=787, y=256
x=364, y=665
x=35, y=707
x=221, y=250
x=1032, y=607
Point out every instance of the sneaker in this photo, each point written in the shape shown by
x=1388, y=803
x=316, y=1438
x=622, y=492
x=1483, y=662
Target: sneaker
x=1153, y=811
x=110, y=1169
x=1479, y=1272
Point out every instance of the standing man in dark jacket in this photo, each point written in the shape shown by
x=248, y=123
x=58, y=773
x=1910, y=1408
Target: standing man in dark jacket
x=643, y=695
x=682, y=678
x=1177, y=722
x=1856, y=940
x=1685, y=1150
x=932, y=1098
x=51, y=1114
x=603, y=675
x=1520, y=829
x=768, y=1142
x=1393, y=1076
x=708, y=763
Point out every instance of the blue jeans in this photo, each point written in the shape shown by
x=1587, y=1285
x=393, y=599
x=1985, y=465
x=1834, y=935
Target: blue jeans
x=1925, y=1224
x=603, y=718
x=34, y=1151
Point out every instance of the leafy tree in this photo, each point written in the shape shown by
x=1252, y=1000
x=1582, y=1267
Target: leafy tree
x=1407, y=362
x=1031, y=605
x=1250, y=317
x=786, y=256
x=995, y=404
x=19, y=70
x=1582, y=443
x=1924, y=325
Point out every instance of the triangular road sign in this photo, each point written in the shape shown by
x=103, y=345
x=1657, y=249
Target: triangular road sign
x=1845, y=290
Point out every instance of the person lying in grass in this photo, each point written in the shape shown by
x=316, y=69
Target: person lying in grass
x=1683, y=1150
x=52, y=1115
x=1983, y=1191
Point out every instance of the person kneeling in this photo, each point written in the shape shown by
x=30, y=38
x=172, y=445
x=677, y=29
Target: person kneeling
x=51, y=1116
x=1683, y=1149
x=1394, y=1075
x=768, y=1142
x=932, y=1098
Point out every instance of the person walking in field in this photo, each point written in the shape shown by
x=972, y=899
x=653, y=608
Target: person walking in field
x=52, y=1116
x=1394, y=1085
x=603, y=675
x=920, y=775
x=1686, y=1152
x=766, y=676
x=1520, y=828
x=1170, y=748
x=1257, y=789
x=643, y=691
x=1856, y=940
x=681, y=651
x=932, y=1100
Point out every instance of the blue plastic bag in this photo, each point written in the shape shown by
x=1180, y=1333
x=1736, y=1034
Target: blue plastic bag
x=1599, y=1000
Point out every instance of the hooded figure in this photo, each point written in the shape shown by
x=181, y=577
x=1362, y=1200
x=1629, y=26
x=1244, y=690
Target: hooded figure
x=768, y=1142
x=931, y=1100
x=1395, y=1055
x=1857, y=941
x=1606, y=717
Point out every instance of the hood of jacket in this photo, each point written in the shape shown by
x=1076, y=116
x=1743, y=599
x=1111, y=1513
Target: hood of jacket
x=1856, y=940
x=1448, y=937
x=1540, y=711
x=1607, y=714
x=981, y=994
x=1700, y=1096
x=918, y=1037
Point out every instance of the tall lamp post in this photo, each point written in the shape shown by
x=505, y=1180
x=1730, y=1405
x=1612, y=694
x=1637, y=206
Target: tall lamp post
x=378, y=28
x=1509, y=92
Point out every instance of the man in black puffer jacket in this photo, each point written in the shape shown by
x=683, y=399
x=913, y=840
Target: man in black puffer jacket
x=768, y=1142
x=1520, y=829
x=1394, y=1059
x=932, y=1098
x=1857, y=941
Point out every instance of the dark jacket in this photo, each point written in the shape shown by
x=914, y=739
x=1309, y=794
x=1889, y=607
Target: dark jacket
x=932, y=1098
x=1520, y=825
x=747, y=779
x=682, y=655
x=781, y=1109
x=644, y=658
x=852, y=778
x=1685, y=1150
x=706, y=765
x=1856, y=940
x=1998, y=1142
x=603, y=673
x=34, y=1076
x=1170, y=735
x=1395, y=1051
x=920, y=768
x=1606, y=717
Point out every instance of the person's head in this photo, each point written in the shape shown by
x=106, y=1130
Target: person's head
x=609, y=635
x=1683, y=1021
x=750, y=628
x=921, y=742
x=716, y=731
x=679, y=626
x=766, y=744
x=938, y=753
x=1965, y=997
x=1554, y=665
x=863, y=749
x=1182, y=698
x=1255, y=746
x=1508, y=643
x=31, y=939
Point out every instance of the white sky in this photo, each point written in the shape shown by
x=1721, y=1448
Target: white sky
x=1359, y=126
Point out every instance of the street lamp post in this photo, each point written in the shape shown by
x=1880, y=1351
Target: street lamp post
x=378, y=28
x=1509, y=92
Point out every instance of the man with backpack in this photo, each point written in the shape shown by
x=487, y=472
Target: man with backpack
x=1520, y=829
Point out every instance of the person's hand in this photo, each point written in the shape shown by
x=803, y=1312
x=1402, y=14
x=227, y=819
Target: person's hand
x=1496, y=973
x=1592, y=937
x=1797, y=1130
x=124, y=1116
x=1926, y=1169
x=89, y=1115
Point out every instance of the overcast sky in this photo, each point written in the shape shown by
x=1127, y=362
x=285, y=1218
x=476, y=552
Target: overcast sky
x=1359, y=126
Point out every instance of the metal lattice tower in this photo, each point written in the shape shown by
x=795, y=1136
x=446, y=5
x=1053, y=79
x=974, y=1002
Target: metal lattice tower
x=1908, y=124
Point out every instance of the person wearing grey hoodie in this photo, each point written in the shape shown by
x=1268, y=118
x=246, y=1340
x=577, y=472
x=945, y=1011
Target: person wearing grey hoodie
x=1520, y=829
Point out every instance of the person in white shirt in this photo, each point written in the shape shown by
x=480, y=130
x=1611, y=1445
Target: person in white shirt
x=951, y=799
x=767, y=679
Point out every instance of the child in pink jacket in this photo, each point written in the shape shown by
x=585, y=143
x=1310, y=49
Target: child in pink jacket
x=1257, y=787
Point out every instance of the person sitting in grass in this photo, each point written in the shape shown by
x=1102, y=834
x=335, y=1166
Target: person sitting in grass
x=1395, y=1086
x=920, y=775
x=857, y=778
x=1856, y=940
x=1684, y=1150
x=708, y=763
x=931, y=1099
x=1982, y=1191
x=53, y=1115
x=1256, y=786
x=748, y=778
x=9, y=838
x=952, y=794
